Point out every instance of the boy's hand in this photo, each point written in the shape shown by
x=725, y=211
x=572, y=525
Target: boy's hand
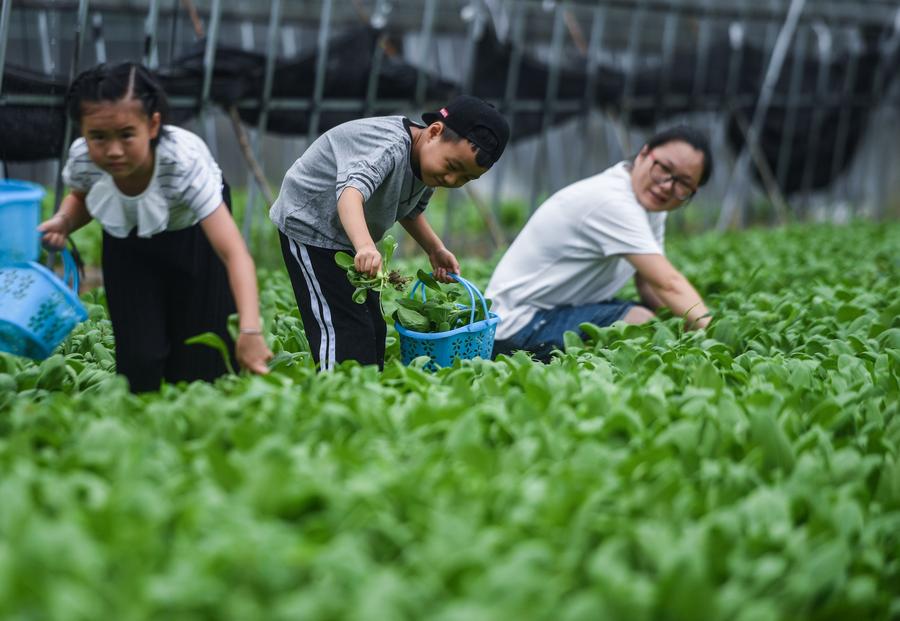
x=56, y=232
x=252, y=353
x=367, y=260
x=443, y=262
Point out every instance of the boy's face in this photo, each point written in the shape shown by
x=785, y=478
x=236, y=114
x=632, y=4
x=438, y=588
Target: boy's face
x=444, y=163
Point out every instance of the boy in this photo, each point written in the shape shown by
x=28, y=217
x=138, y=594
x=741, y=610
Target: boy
x=349, y=188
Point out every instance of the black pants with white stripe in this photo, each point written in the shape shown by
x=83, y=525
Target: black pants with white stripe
x=337, y=328
x=160, y=291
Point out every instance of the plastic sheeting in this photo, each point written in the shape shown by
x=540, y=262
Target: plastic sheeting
x=826, y=129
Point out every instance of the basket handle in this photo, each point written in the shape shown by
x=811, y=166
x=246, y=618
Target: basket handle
x=73, y=265
x=70, y=270
x=469, y=287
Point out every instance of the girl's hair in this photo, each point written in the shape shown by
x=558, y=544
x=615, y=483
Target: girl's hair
x=118, y=82
x=693, y=137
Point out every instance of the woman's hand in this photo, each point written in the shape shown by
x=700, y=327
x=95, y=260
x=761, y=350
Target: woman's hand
x=56, y=232
x=367, y=260
x=253, y=353
x=444, y=263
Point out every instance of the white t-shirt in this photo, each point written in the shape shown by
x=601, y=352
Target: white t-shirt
x=186, y=187
x=570, y=251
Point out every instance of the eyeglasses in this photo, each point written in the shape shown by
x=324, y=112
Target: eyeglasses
x=661, y=174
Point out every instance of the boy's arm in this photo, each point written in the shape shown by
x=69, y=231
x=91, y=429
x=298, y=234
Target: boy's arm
x=353, y=219
x=671, y=288
x=442, y=260
x=71, y=216
x=219, y=227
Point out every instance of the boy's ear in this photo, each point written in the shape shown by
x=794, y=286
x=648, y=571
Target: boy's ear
x=435, y=130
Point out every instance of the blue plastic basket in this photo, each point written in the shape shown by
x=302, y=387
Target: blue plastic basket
x=475, y=340
x=20, y=212
x=37, y=309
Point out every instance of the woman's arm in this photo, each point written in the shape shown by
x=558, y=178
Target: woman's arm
x=71, y=216
x=671, y=288
x=442, y=260
x=645, y=291
x=251, y=349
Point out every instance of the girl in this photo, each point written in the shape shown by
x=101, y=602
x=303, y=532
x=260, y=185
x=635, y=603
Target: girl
x=168, y=235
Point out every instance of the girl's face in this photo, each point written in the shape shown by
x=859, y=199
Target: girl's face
x=118, y=135
x=446, y=164
x=666, y=177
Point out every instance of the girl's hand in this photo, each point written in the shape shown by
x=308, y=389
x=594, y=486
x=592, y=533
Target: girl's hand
x=56, y=232
x=443, y=262
x=367, y=260
x=253, y=353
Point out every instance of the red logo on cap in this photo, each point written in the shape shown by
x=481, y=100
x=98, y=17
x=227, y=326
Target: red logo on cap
x=444, y=112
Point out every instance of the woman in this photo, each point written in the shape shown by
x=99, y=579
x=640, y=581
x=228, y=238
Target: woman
x=583, y=244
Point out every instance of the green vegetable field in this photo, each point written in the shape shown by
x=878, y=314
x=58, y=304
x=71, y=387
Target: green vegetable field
x=747, y=472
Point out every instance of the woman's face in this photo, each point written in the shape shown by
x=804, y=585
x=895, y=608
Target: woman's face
x=118, y=135
x=668, y=175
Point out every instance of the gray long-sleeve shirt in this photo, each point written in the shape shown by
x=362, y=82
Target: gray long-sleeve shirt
x=371, y=155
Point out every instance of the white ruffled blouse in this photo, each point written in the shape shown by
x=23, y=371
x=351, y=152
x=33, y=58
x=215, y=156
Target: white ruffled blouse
x=186, y=187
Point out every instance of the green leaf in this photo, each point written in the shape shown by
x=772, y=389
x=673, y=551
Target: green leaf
x=572, y=341
x=388, y=246
x=360, y=294
x=211, y=339
x=428, y=280
x=412, y=320
x=344, y=260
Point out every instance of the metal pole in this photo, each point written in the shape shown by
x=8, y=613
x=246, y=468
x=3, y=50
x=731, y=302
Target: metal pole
x=888, y=51
x=209, y=62
x=377, y=21
x=509, y=96
x=424, y=49
x=151, y=54
x=173, y=35
x=80, y=27
x=634, y=40
x=99, y=41
x=543, y=145
x=474, y=32
x=733, y=98
x=821, y=102
x=847, y=105
x=321, y=68
x=785, y=151
x=595, y=45
x=735, y=196
x=5, y=12
x=670, y=29
x=702, y=58
x=374, y=75
x=47, y=61
x=271, y=55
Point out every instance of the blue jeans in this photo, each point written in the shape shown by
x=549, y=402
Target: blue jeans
x=544, y=332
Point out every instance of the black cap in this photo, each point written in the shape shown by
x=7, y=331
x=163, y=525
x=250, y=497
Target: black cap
x=477, y=121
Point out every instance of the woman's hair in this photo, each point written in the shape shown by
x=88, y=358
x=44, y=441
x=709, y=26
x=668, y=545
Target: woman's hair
x=693, y=137
x=111, y=83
